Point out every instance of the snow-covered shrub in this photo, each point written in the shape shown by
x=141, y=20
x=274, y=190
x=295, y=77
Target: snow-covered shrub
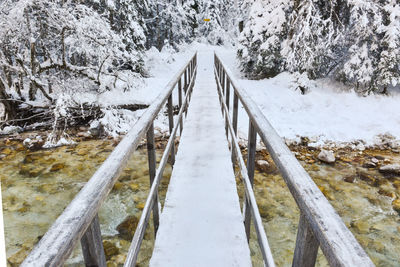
x=302, y=83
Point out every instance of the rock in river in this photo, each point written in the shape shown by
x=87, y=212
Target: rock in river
x=127, y=227
x=390, y=169
x=263, y=165
x=326, y=156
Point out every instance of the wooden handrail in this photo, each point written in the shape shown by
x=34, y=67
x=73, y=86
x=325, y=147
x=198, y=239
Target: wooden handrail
x=57, y=244
x=319, y=222
x=151, y=202
x=248, y=184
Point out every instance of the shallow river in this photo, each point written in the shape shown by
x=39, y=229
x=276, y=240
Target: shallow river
x=37, y=186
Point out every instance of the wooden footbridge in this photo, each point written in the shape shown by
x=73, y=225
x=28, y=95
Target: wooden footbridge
x=202, y=223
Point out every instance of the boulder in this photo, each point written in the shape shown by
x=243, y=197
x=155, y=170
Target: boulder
x=326, y=156
x=396, y=205
x=127, y=227
x=110, y=249
x=393, y=169
x=263, y=165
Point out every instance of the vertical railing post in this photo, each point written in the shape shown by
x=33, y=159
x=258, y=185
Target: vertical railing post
x=251, y=156
x=235, y=119
x=92, y=245
x=171, y=126
x=223, y=83
x=228, y=89
x=151, y=154
x=305, y=253
x=185, y=87
x=180, y=103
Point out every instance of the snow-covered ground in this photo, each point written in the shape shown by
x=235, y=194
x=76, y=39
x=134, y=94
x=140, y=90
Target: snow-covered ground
x=328, y=113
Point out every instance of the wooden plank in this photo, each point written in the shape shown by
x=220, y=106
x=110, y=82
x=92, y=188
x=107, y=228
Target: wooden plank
x=151, y=154
x=251, y=156
x=337, y=242
x=59, y=241
x=305, y=253
x=92, y=245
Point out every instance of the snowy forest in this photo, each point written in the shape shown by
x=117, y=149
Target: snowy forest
x=52, y=50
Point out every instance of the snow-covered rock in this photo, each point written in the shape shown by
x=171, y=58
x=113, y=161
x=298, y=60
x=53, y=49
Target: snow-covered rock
x=10, y=130
x=326, y=156
x=263, y=165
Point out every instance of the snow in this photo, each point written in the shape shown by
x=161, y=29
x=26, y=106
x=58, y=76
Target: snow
x=201, y=224
x=329, y=112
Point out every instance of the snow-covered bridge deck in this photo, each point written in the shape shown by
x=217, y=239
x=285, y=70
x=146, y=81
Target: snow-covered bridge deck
x=201, y=223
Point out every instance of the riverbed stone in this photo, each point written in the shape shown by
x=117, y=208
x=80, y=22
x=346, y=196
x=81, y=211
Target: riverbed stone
x=135, y=187
x=387, y=193
x=110, y=249
x=349, y=179
x=127, y=227
x=119, y=259
x=393, y=169
x=17, y=258
x=7, y=151
x=57, y=167
x=396, y=205
x=118, y=186
x=140, y=206
x=369, y=164
x=361, y=226
x=326, y=156
x=365, y=176
x=263, y=165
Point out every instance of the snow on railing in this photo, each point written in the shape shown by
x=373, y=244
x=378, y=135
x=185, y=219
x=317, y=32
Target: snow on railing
x=320, y=225
x=79, y=221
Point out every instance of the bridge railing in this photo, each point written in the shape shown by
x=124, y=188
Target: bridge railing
x=319, y=225
x=79, y=221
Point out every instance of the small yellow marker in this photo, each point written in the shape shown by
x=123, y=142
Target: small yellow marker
x=206, y=19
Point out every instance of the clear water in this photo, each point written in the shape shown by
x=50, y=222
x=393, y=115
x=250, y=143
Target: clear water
x=37, y=186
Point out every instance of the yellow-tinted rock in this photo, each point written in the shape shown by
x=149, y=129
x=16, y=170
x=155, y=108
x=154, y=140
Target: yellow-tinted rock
x=57, y=167
x=39, y=198
x=361, y=226
x=36, y=172
x=396, y=205
x=19, y=147
x=387, y=193
x=127, y=227
x=119, y=259
x=118, y=186
x=140, y=206
x=6, y=151
x=17, y=258
x=134, y=187
x=111, y=264
x=110, y=249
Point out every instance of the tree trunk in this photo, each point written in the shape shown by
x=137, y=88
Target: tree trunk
x=9, y=105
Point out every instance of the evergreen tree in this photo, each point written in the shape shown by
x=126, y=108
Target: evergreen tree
x=260, y=42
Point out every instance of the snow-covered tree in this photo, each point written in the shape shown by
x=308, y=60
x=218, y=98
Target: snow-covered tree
x=49, y=48
x=260, y=42
x=354, y=41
